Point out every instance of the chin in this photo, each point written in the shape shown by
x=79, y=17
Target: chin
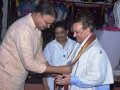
x=43, y=28
x=79, y=41
x=39, y=28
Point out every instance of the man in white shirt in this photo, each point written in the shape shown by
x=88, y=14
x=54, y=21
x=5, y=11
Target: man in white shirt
x=58, y=50
x=92, y=70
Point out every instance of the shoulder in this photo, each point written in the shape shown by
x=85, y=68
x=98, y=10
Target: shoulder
x=71, y=41
x=23, y=24
x=96, y=48
x=50, y=44
x=20, y=23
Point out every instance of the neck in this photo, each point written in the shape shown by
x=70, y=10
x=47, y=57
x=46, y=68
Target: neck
x=63, y=43
x=34, y=18
x=87, y=36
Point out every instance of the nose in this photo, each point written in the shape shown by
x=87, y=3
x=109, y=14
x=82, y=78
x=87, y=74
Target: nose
x=48, y=25
x=59, y=35
x=74, y=34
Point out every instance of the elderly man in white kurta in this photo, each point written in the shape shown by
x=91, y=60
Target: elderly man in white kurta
x=20, y=50
x=58, y=50
x=92, y=70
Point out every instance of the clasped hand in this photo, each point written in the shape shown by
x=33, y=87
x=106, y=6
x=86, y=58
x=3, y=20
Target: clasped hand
x=62, y=79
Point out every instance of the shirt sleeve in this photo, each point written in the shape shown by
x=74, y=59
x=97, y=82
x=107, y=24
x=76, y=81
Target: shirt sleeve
x=75, y=81
x=39, y=54
x=23, y=41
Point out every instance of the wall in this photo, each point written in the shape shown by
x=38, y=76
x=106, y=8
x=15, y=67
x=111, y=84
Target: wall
x=4, y=21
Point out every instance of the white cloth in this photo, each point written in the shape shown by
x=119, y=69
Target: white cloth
x=116, y=11
x=20, y=52
x=111, y=44
x=93, y=68
x=56, y=55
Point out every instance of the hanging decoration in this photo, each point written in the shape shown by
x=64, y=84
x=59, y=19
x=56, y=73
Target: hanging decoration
x=75, y=8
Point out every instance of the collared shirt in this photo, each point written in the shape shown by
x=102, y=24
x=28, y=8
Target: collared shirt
x=56, y=55
x=20, y=52
x=93, y=69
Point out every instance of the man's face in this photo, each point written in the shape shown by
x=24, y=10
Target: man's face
x=79, y=33
x=44, y=21
x=60, y=34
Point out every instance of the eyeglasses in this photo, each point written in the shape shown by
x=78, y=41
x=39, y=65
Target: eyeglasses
x=46, y=23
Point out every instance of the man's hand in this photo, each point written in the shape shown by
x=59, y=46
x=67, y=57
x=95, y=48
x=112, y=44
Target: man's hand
x=65, y=69
x=58, y=69
x=63, y=79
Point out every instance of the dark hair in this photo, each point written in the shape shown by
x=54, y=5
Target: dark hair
x=45, y=8
x=86, y=19
x=61, y=24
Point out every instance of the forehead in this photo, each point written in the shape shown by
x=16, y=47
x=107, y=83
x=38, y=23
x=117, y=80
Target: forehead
x=77, y=25
x=58, y=29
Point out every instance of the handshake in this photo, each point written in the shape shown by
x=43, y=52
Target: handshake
x=61, y=75
x=61, y=81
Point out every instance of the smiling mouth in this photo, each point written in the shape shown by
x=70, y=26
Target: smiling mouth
x=59, y=37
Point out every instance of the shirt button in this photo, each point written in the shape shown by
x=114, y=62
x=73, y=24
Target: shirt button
x=64, y=56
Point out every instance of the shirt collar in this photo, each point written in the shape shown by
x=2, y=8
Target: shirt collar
x=85, y=40
x=31, y=21
x=60, y=44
